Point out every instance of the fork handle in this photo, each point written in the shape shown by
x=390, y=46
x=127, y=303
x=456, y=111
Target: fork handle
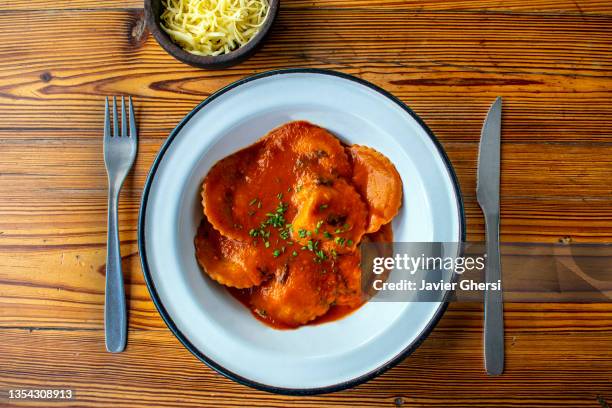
x=115, y=313
x=493, y=302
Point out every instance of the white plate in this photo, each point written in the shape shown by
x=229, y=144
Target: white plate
x=212, y=324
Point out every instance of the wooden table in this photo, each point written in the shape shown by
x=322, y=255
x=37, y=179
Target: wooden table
x=550, y=60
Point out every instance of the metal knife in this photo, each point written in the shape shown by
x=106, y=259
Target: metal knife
x=487, y=193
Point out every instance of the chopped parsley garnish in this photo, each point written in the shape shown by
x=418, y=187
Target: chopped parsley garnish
x=277, y=219
x=320, y=256
x=310, y=245
x=282, y=207
x=349, y=242
x=284, y=234
x=313, y=246
x=319, y=225
x=344, y=228
x=323, y=206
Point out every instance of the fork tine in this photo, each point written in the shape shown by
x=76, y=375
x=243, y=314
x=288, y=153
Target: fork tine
x=106, y=120
x=133, y=131
x=123, y=118
x=115, y=122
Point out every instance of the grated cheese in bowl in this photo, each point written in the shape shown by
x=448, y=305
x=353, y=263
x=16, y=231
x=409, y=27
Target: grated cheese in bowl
x=213, y=27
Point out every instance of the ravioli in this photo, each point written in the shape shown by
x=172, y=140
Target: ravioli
x=229, y=262
x=332, y=212
x=379, y=183
x=303, y=291
x=350, y=274
x=285, y=218
x=349, y=277
x=242, y=187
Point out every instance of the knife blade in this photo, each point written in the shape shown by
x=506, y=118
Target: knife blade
x=487, y=193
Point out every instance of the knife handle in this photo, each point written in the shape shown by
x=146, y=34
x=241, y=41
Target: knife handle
x=493, y=302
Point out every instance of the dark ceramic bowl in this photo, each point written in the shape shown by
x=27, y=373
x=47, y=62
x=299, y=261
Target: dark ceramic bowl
x=153, y=9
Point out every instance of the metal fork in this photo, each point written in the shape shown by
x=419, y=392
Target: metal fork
x=119, y=153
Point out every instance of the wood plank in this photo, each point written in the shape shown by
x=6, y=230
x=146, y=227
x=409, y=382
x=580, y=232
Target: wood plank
x=545, y=219
x=582, y=7
x=53, y=250
x=528, y=169
x=52, y=257
x=531, y=62
x=541, y=170
x=63, y=286
x=531, y=40
x=25, y=5
x=77, y=218
x=162, y=373
x=68, y=292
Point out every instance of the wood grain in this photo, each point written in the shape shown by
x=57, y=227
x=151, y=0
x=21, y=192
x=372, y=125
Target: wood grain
x=73, y=297
x=490, y=6
x=444, y=372
x=529, y=169
x=550, y=60
x=26, y=222
x=531, y=61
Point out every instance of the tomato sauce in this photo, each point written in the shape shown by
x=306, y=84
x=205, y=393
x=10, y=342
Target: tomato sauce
x=335, y=312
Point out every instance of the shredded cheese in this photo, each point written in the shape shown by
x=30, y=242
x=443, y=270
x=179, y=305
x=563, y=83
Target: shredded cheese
x=213, y=27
